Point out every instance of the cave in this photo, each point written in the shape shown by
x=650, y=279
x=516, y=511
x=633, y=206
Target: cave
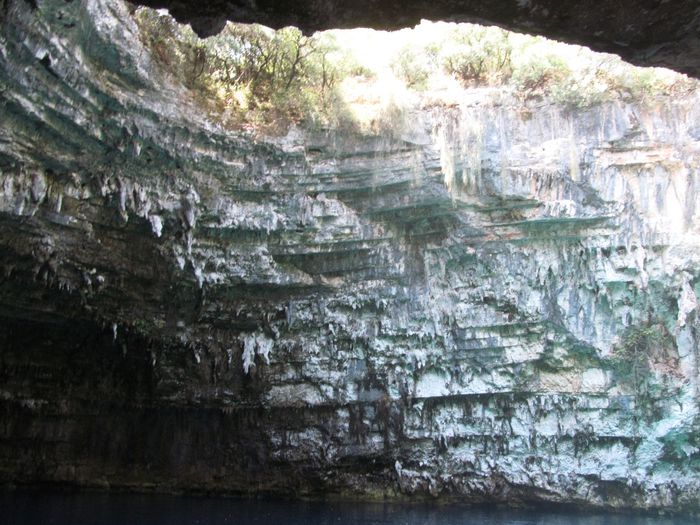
x=237, y=260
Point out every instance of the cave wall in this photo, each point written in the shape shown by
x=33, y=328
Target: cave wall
x=429, y=314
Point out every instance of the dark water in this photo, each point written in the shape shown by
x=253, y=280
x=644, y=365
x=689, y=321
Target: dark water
x=55, y=508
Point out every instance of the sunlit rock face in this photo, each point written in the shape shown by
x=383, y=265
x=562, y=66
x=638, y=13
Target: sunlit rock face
x=492, y=304
x=647, y=32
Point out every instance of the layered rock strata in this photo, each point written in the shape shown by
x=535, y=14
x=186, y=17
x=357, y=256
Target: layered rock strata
x=495, y=303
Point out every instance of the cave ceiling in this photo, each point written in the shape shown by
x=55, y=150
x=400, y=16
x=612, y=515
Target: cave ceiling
x=646, y=32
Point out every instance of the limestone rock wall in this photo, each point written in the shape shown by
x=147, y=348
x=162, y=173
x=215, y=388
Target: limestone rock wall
x=437, y=313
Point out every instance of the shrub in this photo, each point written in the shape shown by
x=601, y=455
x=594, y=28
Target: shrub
x=251, y=71
x=577, y=94
x=643, y=349
x=414, y=66
x=539, y=74
x=252, y=74
x=479, y=56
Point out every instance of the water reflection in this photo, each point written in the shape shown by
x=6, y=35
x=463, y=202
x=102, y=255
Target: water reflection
x=51, y=508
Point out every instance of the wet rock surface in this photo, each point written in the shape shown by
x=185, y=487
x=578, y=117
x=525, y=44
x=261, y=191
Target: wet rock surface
x=437, y=314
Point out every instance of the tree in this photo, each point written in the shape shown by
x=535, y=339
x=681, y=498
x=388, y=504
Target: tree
x=479, y=55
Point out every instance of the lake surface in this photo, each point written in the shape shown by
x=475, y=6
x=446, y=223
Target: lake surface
x=66, y=508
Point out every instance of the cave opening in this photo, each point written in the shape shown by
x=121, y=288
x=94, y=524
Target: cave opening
x=369, y=81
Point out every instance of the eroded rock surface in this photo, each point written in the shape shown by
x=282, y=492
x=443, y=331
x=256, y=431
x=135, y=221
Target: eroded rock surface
x=432, y=314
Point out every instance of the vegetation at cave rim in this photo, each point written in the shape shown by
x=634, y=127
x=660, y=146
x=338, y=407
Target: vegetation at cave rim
x=250, y=75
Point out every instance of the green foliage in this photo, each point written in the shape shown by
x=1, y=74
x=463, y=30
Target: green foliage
x=531, y=68
x=251, y=72
x=576, y=95
x=631, y=358
x=538, y=73
x=645, y=351
x=252, y=75
x=638, y=84
x=415, y=66
x=480, y=55
x=549, y=76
